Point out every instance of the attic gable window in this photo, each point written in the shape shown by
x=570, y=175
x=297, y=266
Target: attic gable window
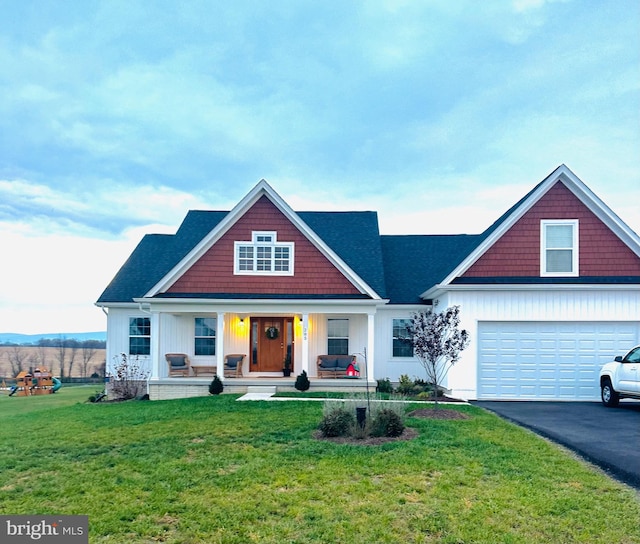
x=559, y=248
x=264, y=255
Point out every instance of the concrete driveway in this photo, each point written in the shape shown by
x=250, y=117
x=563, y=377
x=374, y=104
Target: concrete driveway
x=607, y=437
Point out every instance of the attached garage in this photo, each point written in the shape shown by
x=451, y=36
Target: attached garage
x=548, y=360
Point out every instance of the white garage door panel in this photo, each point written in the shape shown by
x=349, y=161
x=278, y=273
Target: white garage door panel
x=547, y=360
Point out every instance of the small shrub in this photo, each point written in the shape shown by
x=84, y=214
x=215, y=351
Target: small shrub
x=427, y=389
x=338, y=420
x=387, y=422
x=302, y=381
x=128, y=378
x=361, y=432
x=97, y=396
x=384, y=386
x=406, y=386
x=216, y=386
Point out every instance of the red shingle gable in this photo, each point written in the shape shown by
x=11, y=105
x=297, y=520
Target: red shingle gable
x=213, y=272
x=517, y=252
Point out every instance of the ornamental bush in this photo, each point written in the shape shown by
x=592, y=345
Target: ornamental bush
x=387, y=422
x=338, y=419
x=302, y=381
x=384, y=386
x=216, y=386
x=383, y=418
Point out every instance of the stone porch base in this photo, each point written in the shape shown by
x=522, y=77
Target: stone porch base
x=180, y=388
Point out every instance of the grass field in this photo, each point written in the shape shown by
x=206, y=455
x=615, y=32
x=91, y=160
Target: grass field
x=212, y=470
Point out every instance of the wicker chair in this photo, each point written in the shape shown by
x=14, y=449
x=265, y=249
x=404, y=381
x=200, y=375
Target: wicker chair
x=233, y=365
x=179, y=364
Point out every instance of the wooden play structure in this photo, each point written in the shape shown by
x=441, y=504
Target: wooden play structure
x=40, y=382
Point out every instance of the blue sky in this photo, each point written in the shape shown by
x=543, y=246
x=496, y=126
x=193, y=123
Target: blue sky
x=117, y=117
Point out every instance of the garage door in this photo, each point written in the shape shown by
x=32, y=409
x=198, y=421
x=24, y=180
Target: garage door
x=547, y=360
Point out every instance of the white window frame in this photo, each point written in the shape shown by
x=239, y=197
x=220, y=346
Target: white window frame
x=393, y=338
x=575, y=271
x=197, y=336
x=133, y=322
x=265, y=240
x=331, y=337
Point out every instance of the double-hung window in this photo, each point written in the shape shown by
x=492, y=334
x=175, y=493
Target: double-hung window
x=559, y=248
x=205, y=337
x=337, y=337
x=139, y=336
x=402, y=346
x=264, y=255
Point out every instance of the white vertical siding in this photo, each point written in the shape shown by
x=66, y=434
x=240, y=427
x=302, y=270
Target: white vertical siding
x=385, y=365
x=585, y=305
x=118, y=335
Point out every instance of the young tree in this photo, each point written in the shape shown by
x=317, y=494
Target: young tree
x=437, y=342
x=89, y=348
x=72, y=347
x=39, y=358
x=17, y=356
x=61, y=355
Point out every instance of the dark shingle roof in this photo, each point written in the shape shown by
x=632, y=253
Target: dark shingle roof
x=415, y=263
x=353, y=236
x=156, y=255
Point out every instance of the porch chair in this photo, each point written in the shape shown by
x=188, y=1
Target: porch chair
x=233, y=365
x=179, y=364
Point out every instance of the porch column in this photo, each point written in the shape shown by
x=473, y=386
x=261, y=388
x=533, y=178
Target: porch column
x=220, y=345
x=305, y=342
x=155, y=354
x=370, y=344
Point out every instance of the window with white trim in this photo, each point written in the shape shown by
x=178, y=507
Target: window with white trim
x=559, y=248
x=264, y=255
x=337, y=337
x=139, y=336
x=402, y=346
x=205, y=336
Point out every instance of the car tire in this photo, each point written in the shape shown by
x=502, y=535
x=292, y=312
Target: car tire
x=608, y=395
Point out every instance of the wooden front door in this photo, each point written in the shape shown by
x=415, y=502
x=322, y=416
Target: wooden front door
x=271, y=343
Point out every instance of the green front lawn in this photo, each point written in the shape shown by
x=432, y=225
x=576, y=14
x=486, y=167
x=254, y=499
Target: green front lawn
x=210, y=470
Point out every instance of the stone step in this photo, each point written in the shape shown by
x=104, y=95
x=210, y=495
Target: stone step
x=262, y=389
x=259, y=392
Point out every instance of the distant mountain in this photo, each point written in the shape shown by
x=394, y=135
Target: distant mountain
x=15, y=338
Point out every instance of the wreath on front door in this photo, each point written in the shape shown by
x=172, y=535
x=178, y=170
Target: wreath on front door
x=272, y=333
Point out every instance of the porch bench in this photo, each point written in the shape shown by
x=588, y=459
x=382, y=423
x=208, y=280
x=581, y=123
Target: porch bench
x=334, y=366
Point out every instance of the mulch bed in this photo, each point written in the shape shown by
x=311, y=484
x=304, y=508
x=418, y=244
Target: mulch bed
x=408, y=434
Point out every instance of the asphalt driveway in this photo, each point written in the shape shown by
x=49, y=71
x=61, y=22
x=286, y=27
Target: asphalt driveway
x=607, y=437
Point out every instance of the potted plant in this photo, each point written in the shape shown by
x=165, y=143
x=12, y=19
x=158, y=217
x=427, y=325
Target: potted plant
x=286, y=366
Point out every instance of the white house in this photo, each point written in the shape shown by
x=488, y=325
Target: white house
x=549, y=293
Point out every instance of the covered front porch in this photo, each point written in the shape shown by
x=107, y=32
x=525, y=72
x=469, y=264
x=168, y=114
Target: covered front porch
x=271, y=339
x=165, y=388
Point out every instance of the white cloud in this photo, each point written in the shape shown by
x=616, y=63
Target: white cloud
x=118, y=117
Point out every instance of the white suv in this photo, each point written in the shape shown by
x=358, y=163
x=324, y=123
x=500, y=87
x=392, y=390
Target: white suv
x=620, y=378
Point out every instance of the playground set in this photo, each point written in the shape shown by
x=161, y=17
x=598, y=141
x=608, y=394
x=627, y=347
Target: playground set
x=40, y=382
